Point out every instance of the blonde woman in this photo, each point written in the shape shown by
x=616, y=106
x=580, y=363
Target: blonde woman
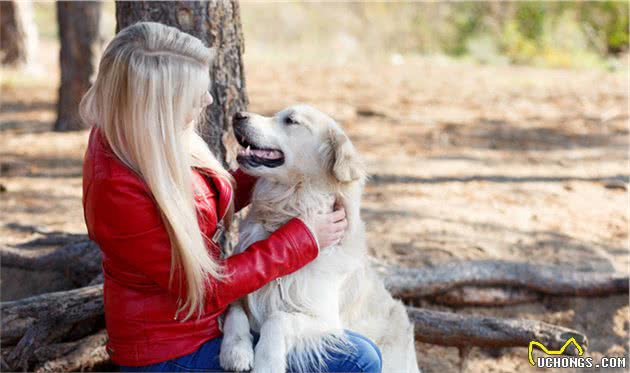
x=155, y=199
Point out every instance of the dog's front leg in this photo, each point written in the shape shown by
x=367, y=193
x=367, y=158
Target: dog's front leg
x=271, y=349
x=280, y=334
x=237, y=348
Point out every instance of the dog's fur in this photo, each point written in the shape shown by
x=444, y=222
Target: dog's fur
x=305, y=312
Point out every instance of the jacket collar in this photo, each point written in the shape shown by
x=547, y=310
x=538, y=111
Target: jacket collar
x=222, y=187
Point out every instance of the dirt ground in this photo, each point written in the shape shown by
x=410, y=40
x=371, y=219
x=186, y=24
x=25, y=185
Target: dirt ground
x=466, y=162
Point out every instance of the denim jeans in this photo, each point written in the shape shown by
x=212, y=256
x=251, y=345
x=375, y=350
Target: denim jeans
x=364, y=356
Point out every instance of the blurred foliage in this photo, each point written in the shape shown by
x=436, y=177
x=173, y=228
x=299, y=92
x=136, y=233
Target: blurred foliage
x=547, y=33
x=557, y=34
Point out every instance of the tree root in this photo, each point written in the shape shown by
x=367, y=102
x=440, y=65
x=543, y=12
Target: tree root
x=451, y=329
x=551, y=280
x=64, y=307
x=41, y=332
x=79, y=260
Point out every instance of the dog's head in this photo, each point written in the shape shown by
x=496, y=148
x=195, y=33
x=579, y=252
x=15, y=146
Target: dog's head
x=298, y=143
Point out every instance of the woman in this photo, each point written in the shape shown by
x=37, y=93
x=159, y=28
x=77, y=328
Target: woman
x=154, y=199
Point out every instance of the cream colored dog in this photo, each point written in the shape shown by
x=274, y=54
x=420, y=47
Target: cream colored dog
x=305, y=162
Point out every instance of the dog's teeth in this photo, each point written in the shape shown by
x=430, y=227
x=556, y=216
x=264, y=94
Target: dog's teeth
x=261, y=153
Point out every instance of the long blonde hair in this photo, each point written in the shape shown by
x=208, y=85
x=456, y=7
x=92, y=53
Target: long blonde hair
x=150, y=78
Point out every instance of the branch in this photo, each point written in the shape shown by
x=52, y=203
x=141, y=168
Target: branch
x=450, y=329
x=81, y=261
x=551, y=280
x=65, y=307
x=4, y=366
x=39, y=334
x=40, y=320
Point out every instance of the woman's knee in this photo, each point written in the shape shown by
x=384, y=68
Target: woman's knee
x=367, y=356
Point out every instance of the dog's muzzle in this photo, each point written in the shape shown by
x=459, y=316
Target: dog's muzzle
x=253, y=155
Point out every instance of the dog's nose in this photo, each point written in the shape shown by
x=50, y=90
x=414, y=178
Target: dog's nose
x=240, y=116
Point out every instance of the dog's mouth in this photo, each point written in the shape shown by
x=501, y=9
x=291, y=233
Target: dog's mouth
x=253, y=155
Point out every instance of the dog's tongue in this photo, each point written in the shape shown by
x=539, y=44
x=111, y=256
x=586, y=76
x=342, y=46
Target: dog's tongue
x=267, y=154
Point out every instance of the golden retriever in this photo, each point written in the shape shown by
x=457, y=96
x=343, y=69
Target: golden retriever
x=305, y=162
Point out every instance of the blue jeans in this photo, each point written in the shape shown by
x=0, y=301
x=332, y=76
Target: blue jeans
x=365, y=357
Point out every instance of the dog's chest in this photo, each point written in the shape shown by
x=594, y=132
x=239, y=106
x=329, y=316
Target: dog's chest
x=312, y=290
x=313, y=286
x=274, y=215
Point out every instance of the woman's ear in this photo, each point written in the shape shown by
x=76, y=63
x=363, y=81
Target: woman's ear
x=343, y=161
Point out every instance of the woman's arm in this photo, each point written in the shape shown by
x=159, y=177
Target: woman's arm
x=285, y=251
x=124, y=220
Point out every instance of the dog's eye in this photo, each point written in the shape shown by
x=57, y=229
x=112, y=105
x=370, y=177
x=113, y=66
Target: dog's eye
x=290, y=121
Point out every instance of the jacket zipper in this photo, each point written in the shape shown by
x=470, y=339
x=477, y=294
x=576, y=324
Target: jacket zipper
x=280, y=289
x=217, y=233
x=220, y=224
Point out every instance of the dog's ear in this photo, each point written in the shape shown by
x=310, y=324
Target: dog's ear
x=342, y=160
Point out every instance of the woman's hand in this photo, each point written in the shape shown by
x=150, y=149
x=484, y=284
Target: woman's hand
x=329, y=228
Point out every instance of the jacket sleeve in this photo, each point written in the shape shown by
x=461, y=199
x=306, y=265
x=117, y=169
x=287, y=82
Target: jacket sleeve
x=243, y=188
x=287, y=249
x=127, y=225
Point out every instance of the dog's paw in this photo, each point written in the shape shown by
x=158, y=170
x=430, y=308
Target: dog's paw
x=237, y=356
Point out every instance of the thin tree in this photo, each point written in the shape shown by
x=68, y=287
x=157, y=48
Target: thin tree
x=18, y=33
x=80, y=37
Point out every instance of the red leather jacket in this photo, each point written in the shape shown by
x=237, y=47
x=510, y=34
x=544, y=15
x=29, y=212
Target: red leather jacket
x=122, y=217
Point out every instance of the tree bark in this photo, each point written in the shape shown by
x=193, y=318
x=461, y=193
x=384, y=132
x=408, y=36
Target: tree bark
x=218, y=25
x=475, y=296
x=80, y=37
x=18, y=34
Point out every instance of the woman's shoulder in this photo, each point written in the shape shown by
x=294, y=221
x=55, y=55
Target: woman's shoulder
x=102, y=166
x=113, y=194
x=120, y=205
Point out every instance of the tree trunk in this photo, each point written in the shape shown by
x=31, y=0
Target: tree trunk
x=218, y=25
x=18, y=34
x=80, y=37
